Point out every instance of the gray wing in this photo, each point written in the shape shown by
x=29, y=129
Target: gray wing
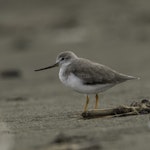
x=92, y=73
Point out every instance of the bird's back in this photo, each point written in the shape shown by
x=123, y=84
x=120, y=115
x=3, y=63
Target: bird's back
x=93, y=73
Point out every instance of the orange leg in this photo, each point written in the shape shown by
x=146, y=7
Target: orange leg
x=96, y=102
x=86, y=104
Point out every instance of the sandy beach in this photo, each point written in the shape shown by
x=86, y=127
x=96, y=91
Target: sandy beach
x=36, y=111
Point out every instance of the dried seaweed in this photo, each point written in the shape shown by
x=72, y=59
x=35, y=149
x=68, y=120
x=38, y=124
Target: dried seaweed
x=136, y=108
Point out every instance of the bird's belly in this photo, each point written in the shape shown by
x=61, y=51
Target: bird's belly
x=77, y=84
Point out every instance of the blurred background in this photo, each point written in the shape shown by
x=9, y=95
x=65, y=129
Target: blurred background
x=32, y=33
x=113, y=33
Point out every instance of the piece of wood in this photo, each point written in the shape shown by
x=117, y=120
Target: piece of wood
x=135, y=108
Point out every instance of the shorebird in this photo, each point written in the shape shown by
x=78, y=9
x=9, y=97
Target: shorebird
x=85, y=76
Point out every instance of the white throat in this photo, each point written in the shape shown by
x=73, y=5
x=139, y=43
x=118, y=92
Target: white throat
x=65, y=64
x=62, y=69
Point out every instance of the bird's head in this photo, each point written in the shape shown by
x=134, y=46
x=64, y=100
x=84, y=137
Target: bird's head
x=63, y=59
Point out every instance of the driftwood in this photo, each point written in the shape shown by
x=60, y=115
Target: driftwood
x=136, y=108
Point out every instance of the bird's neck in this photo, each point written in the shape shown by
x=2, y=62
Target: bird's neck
x=64, y=65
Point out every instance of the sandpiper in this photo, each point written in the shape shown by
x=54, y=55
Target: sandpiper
x=85, y=76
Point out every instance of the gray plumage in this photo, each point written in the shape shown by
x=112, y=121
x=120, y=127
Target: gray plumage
x=93, y=73
x=85, y=76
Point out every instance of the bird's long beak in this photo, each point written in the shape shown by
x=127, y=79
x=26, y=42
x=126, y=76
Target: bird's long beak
x=52, y=66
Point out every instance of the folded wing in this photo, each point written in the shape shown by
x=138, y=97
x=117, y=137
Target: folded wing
x=92, y=73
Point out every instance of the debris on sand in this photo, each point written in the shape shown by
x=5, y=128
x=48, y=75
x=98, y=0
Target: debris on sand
x=9, y=74
x=17, y=99
x=66, y=142
x=136, y=108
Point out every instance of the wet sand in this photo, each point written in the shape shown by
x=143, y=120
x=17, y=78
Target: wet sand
x=36, y=110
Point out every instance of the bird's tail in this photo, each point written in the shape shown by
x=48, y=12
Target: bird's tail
x=132, y=77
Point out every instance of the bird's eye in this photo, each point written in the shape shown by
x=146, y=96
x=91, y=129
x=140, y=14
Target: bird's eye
x=62, y=58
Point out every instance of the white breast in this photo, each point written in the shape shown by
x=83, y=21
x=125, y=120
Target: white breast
x=62, y=77
x=77, y=84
